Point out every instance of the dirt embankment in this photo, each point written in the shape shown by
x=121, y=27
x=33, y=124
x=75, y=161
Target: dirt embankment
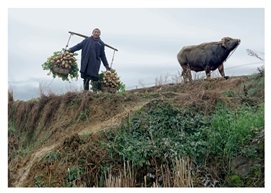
x=38, y=126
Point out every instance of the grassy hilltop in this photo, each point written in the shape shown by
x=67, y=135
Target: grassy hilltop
x=200, y=134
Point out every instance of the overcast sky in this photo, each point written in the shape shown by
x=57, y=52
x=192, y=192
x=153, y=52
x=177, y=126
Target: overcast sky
x=147, y=39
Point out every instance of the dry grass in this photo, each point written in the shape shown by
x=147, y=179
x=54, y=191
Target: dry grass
x=126, y=177
x=85, y=99
x=180, y=176
x=10, y=95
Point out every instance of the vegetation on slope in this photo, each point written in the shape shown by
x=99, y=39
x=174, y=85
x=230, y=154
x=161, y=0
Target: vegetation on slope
x=196, y=135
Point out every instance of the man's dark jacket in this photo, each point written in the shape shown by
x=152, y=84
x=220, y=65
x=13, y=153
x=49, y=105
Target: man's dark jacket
x=91, y=56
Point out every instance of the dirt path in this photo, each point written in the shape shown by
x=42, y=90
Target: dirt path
x=37, y=155
x=23, y=172
x=115, y=120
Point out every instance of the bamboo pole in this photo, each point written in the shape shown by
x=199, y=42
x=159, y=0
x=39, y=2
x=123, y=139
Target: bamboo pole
x=84, y=36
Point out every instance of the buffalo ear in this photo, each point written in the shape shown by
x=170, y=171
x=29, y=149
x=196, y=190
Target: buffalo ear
x=223, y=42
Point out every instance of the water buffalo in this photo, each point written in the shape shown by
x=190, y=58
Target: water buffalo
x=206, y=57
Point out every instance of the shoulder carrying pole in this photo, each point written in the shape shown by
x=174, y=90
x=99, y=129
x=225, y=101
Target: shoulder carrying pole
x=84, y=36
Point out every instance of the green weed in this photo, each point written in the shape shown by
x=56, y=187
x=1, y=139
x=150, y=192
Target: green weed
x=38, y=182
x=74, y=173
x=84, y=115
x=52, y=157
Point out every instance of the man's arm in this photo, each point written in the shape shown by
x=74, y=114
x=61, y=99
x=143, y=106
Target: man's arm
x=76, y=47
x=104, y=59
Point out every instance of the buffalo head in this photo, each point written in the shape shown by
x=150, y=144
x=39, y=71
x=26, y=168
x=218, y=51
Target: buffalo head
x=230, y=43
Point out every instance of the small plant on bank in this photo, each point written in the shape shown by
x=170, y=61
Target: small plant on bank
x=38, y=181
x=84, y=115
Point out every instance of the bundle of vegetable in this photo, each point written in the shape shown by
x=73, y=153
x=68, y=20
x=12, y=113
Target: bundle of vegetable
x=62, y=64
x=110, y=82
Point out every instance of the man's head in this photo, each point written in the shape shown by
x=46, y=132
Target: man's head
x=96, y=33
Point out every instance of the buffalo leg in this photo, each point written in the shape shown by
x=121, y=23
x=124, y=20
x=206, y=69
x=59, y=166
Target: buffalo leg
x=221, y=71
x=186, y=73
x=189, y=75
x=208, y=72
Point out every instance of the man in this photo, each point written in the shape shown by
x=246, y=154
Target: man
x=91, y=56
